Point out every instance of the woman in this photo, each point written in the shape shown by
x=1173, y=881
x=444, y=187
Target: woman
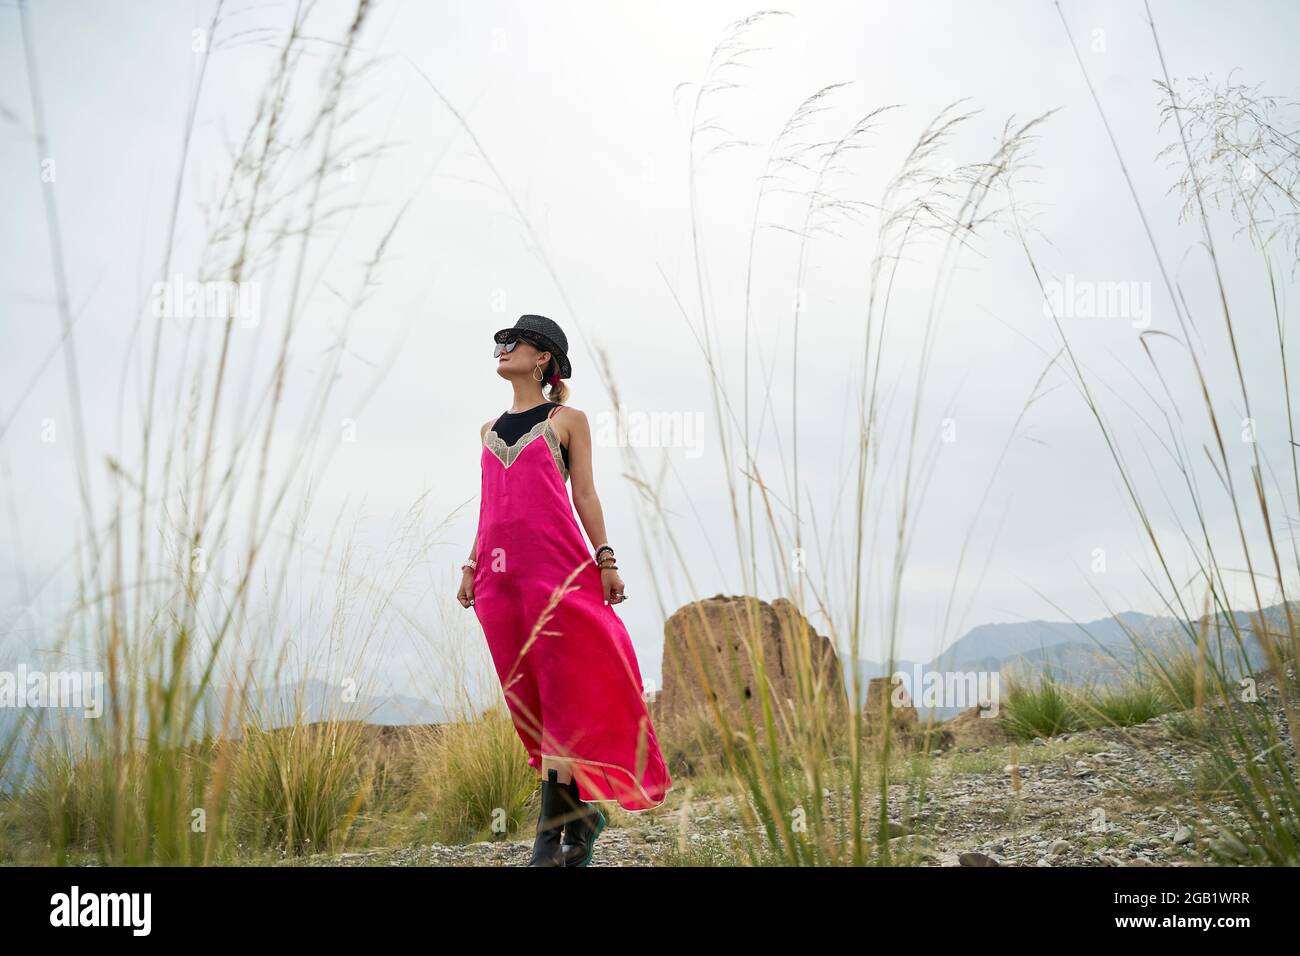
x=546, y=603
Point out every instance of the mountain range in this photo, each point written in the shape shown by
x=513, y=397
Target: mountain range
x=1099, y=653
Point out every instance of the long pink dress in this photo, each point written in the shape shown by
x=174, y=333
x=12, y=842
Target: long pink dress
x=564, y=657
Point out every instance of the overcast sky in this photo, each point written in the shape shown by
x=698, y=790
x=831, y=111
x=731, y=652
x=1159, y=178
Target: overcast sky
x=574, y=105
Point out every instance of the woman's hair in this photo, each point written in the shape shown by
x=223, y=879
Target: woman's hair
x=559, y=391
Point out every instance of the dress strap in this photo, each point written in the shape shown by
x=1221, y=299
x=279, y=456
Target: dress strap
x=553, y=410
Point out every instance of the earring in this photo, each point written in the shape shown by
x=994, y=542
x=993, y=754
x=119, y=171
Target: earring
x=537, y=373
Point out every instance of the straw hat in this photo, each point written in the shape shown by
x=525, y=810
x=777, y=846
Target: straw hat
x=544, y=333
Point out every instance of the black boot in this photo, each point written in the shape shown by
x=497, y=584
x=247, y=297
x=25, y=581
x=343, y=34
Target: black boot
x=550, y=823
x=582, y=829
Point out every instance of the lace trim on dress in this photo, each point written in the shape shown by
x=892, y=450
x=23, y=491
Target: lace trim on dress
x=507, y=454
x=553, y=440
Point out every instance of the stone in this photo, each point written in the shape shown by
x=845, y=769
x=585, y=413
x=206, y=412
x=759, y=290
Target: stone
x=977, y=728
x=885, y=697
x=712, y=646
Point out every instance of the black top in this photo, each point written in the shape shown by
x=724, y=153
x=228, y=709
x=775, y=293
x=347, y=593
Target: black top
x=512, y=426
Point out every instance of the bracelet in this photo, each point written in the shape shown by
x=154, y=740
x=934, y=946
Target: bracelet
x=604, y=547
x=469, y=565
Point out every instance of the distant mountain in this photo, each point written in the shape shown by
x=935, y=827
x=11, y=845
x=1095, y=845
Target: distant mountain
x=307, y=701
x=1001, y=642
x=1098, y=652
x=316, y=700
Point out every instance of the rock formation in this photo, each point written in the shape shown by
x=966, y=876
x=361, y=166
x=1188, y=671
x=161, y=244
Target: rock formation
x=975, y=728
x=710, y=647
x=902, y=715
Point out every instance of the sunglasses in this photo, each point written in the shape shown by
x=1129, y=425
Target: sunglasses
x=511, y=341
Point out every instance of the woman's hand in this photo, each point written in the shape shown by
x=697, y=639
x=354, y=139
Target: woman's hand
x=612, y=585
x=466, y=593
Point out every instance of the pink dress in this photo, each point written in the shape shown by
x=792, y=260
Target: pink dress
x=565, y=660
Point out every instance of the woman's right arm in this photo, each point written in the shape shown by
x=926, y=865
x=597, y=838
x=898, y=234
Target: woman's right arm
x=466, y=593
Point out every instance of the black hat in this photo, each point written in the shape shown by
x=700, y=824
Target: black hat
x=545, y=334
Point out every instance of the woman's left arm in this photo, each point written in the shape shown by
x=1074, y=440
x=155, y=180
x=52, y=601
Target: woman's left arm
x=575, y=432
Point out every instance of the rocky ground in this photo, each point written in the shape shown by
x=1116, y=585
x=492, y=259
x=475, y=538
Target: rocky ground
x=1107, y=797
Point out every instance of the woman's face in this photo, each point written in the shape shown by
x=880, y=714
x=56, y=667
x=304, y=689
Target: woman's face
x=519, y=361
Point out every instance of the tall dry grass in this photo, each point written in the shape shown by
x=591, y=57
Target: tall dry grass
x=1245, y=736
x=804, y=799
x=806, y=783
x=195, y=595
